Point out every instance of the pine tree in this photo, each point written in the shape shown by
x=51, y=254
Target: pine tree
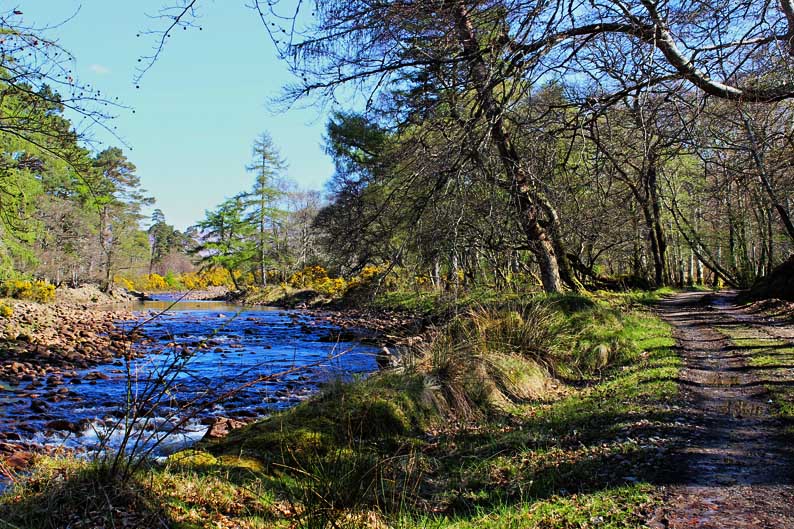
x=262, y=202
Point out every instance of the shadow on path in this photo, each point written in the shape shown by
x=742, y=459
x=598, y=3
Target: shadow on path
x=735, y=467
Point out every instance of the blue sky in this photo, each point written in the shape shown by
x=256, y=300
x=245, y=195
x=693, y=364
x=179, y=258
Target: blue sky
x=201, y=105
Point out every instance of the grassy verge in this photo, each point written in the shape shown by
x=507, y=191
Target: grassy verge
x=553, y=413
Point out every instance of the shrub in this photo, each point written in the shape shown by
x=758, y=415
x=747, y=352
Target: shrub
x=491, y=356
x=6, y=311
x=190, y=280
x=154, y=282
x=124, y=282
x=40, y=291
x=308, y=276
x=316, y=278
x=216, y=277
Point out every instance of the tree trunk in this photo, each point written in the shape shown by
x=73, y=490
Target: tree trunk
x=455, y=271
x=542, y=246
x=107, y=285
x=549, y=268
x=262, y=232
x=106, y=245
x=658, y=238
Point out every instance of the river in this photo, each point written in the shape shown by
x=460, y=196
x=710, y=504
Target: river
x=202, y=360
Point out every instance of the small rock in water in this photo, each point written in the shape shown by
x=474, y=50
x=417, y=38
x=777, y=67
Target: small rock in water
x=62, y=425
x=38, y=406
x=19, y=460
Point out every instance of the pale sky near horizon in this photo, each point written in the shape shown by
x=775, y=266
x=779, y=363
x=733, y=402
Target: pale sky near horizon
x=199, y=108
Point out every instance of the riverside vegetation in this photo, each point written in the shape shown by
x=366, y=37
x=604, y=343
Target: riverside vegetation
x=515, y=184
x=551, y=413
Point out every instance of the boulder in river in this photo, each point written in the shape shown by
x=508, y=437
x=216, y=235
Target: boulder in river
x=18, y=460
x=62, y=425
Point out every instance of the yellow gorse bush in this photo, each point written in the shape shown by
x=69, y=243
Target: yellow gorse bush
x=216, y=277
x=311, y=277
x=367, y=274
x=421, y=280
x=155, y=282
x=308, y=277
x=40, y=291
x=213, y=277
x=124, y=282
x=192, y=281
x=316, y=278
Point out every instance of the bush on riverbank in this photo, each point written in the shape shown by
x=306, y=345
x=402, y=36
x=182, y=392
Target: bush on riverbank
x=27, y=290
x=483, y=426
x=312, y=287
x=213, y=277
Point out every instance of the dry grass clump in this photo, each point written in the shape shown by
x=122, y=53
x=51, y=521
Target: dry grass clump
x=79, y=495
x=491, y=357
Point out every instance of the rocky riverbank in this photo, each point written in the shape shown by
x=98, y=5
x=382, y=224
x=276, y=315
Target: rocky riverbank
x=388, y=327
x=62, y=370
x=397, y=333
x=42, y=349
x=41, y=343
x=205, y=294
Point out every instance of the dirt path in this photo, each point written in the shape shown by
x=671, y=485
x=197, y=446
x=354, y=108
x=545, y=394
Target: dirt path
x=734, y=470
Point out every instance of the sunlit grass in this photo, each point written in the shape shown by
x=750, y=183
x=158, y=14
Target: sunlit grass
x=614, y=509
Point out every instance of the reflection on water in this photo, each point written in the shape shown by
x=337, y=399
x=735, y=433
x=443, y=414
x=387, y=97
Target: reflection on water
x=170, y=302
x=216, y=358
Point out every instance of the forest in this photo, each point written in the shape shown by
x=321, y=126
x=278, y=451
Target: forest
x=593, y=163
x=566, y=225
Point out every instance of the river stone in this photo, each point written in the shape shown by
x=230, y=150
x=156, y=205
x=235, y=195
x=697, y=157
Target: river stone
x=18, y=460
x=221, y=427
x=39, y=406
x=62, y=425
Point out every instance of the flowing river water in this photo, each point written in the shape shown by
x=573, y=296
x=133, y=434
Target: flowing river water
x=201, y=360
